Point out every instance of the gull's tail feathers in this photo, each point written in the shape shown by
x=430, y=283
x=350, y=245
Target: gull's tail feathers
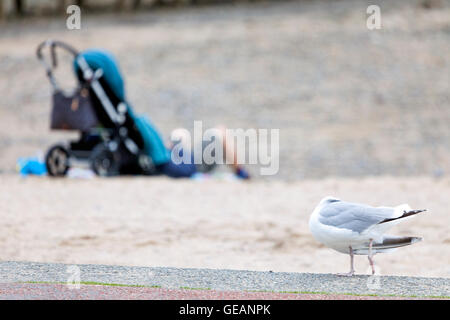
x=389, y=243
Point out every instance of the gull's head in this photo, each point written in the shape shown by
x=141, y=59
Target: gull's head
x=328, y=200
x=325, y=201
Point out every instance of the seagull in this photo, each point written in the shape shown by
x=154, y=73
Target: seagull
x=354, y=228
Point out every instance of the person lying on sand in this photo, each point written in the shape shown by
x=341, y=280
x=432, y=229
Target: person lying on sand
x=177, y=169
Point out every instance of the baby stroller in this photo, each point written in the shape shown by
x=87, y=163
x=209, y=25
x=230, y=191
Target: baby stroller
x=112, y=138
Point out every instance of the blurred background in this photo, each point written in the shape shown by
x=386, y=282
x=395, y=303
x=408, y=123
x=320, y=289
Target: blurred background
x=363, y=115
x=348, y=101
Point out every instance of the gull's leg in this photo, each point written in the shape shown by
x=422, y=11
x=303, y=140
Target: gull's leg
x=370, y=256
x=352, y=269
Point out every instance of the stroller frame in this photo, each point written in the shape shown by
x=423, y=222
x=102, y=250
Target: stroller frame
x=109, y=151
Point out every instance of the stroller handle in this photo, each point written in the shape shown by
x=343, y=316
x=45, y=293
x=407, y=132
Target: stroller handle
x=53, y=44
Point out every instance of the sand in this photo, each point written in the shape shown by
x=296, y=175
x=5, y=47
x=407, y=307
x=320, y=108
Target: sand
x=211, y=224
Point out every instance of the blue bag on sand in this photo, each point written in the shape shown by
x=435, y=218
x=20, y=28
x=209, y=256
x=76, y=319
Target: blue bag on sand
x=27, y=166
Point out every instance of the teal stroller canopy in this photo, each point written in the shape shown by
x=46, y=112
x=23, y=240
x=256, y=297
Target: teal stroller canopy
x=104, y=60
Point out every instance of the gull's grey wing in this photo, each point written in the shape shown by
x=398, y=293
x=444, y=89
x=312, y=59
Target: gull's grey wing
x=353, y=216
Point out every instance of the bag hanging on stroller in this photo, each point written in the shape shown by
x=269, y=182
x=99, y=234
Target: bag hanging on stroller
x=74, y=112
x=113, y=139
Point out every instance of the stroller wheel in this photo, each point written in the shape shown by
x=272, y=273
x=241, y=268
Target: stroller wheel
x=105, y=162
x=57, y=161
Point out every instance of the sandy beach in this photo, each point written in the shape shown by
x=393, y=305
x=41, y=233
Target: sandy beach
x=211, y=224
